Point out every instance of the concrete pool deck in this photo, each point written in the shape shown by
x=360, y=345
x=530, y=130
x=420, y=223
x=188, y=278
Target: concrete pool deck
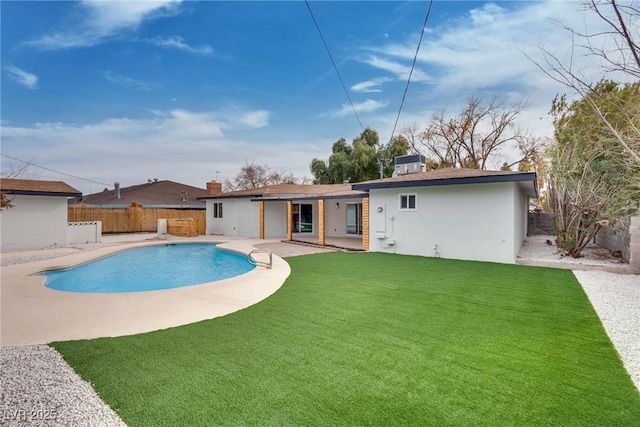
x=33, y=314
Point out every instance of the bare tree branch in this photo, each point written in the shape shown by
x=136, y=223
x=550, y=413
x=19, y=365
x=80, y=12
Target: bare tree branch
x=476, y=137
x=623, y=33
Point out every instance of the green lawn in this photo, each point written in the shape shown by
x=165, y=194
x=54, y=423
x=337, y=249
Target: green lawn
x=377, y=339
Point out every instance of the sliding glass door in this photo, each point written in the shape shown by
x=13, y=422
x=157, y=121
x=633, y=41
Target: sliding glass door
x=302, y=218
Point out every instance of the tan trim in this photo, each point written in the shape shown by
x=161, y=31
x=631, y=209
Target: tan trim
x=321, y=222
x=261, y=209
x=365, y=223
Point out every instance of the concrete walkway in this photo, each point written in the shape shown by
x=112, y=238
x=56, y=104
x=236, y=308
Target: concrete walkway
x=34, y=314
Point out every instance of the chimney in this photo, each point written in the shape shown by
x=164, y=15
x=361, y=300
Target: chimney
x=214, y=188
x=116, y=186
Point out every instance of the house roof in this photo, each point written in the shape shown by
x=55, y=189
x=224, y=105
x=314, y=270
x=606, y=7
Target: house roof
x=452, y=176
x=37, y=188
x=155, y=194
x=291, y=191
x=422, y=179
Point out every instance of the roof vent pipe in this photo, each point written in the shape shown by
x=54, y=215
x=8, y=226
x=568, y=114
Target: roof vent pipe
x=116, y=186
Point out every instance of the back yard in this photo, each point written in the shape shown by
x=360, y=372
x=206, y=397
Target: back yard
x=377, y=339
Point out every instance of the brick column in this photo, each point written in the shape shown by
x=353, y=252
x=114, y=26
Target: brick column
x=261, y=209
x=365, y=223
x=321, y=222
x=289, y=221
x=634, y=245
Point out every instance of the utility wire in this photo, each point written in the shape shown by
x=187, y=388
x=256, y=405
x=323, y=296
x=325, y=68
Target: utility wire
x=53, y=170
x=334, y=64
x=415, y=58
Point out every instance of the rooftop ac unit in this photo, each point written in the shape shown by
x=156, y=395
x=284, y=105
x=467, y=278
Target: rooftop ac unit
x=409, y=164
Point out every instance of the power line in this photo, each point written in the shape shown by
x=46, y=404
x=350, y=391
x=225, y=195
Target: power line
x=53, y=170
x=415, y=58
x=334, y=64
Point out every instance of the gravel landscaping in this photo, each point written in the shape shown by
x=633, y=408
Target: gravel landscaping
x=616, y=299
x=40, y=389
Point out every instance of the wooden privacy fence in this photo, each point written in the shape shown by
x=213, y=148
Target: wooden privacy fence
x=135, y=218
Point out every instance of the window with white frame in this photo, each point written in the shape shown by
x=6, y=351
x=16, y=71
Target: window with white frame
x=217, y=210
x=408, y=202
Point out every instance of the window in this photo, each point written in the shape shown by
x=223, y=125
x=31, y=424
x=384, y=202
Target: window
x=408, y=202
x=217, y=210
x=354, y=218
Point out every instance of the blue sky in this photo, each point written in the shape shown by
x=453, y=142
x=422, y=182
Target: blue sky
x=190, y=91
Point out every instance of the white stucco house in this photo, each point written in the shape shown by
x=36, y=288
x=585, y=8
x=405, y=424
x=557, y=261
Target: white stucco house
x=38, y=216
x=464, y=214
x=287, y=211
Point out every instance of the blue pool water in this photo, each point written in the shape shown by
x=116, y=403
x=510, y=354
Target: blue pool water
x=151, y=268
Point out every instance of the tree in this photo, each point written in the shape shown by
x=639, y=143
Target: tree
x=615, y=50
x=360, y=161
x=14, y=171
x=476, y=138
x=252, y=175
x=592, y=180
x=5, y=201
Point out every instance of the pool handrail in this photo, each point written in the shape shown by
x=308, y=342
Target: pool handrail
x=255, y=262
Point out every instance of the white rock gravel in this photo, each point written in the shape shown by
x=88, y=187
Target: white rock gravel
x=537, y=248
x=616, y=299
x=40, y=389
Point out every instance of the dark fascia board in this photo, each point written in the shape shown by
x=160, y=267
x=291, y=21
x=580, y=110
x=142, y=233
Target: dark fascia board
x=41, y=193
x=525, y=176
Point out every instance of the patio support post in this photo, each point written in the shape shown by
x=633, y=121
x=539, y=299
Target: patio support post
x=365, y=223
x=289, y=220
x=261, y=209
x=321, y=222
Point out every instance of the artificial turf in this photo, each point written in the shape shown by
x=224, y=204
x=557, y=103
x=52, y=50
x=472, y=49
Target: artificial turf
x=377, y=339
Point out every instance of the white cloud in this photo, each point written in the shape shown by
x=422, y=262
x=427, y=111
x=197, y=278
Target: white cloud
x=368, y=106
x=481, y=54
x=256, y=119
x=101, y=20
x=370, y=86
x=26, y=79
x=177, y=42
x=400, y=70
x=188, y=145
x=127, y=81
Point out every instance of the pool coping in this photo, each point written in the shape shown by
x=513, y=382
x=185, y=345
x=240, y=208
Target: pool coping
x=31, y=313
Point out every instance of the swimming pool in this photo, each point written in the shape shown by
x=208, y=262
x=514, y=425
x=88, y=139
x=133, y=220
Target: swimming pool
x=151, y=268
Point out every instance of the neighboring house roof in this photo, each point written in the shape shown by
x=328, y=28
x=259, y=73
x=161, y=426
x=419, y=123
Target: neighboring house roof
x=290, y=192
x=156, y=194
x=452, y=176
x=33, y=187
